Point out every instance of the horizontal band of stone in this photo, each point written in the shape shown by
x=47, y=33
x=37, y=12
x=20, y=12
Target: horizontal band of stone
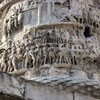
x=16, y=86
x=59, y=25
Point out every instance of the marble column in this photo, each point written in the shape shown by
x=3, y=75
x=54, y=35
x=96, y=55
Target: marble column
x=49, y=10
x=39, y=14
x=53, y=6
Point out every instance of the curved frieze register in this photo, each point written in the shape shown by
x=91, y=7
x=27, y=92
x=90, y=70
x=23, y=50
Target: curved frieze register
x=50, y=37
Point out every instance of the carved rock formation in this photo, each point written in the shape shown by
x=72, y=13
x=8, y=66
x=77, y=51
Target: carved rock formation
x=51, y=38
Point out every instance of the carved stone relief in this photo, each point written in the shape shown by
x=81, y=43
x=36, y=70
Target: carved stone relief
x=51, y=42
x=51, y=52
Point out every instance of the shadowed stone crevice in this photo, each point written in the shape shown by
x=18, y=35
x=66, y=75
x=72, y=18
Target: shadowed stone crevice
x=8, y=97
x=87, y=32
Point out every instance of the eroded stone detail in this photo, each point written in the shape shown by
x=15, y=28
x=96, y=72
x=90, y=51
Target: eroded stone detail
x=52, y=52
x=45, y=38
x=51, y=49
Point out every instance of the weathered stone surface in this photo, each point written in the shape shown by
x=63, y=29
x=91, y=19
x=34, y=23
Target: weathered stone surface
x=83, y=97
x=11, y=85
x=48, y=88
x=50, y=49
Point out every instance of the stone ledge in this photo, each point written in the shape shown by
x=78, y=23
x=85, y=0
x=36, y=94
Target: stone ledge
x=59, y=24
x=29, y=89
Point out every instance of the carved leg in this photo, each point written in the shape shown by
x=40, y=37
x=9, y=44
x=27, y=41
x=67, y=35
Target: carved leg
x=45, y=60
x=37, y=62
x=14, y=65
x=5, y=68
x=34, y=62
x=8, y=70
x=50, y=59
x=1, y=67
x=59, y=40
x=26, y=62
x=57, y=60
x=53, y=60
x=11, y=69
x=60, y=59
x=66, y=60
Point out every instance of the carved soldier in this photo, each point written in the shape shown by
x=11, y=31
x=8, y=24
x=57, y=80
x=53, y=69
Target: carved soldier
x=51, y=51
x=59, y=39
x=91, y=15
x=85, y=16
x=32, y=54
x=20, y=19
x=53, y=37
x=4, y=64
x=15, y=10
x=45, y=54
x=15, y=20
x=5, y=30
x=73, y=54
x=19, y=57
x=31, y=3
x=23, y=48
x=38, y=54
x=64, y=55
x=20, y=8
x=46, y=37
x=10, y=67
x=27, y=58
x=10, y=25
x=14, y=58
